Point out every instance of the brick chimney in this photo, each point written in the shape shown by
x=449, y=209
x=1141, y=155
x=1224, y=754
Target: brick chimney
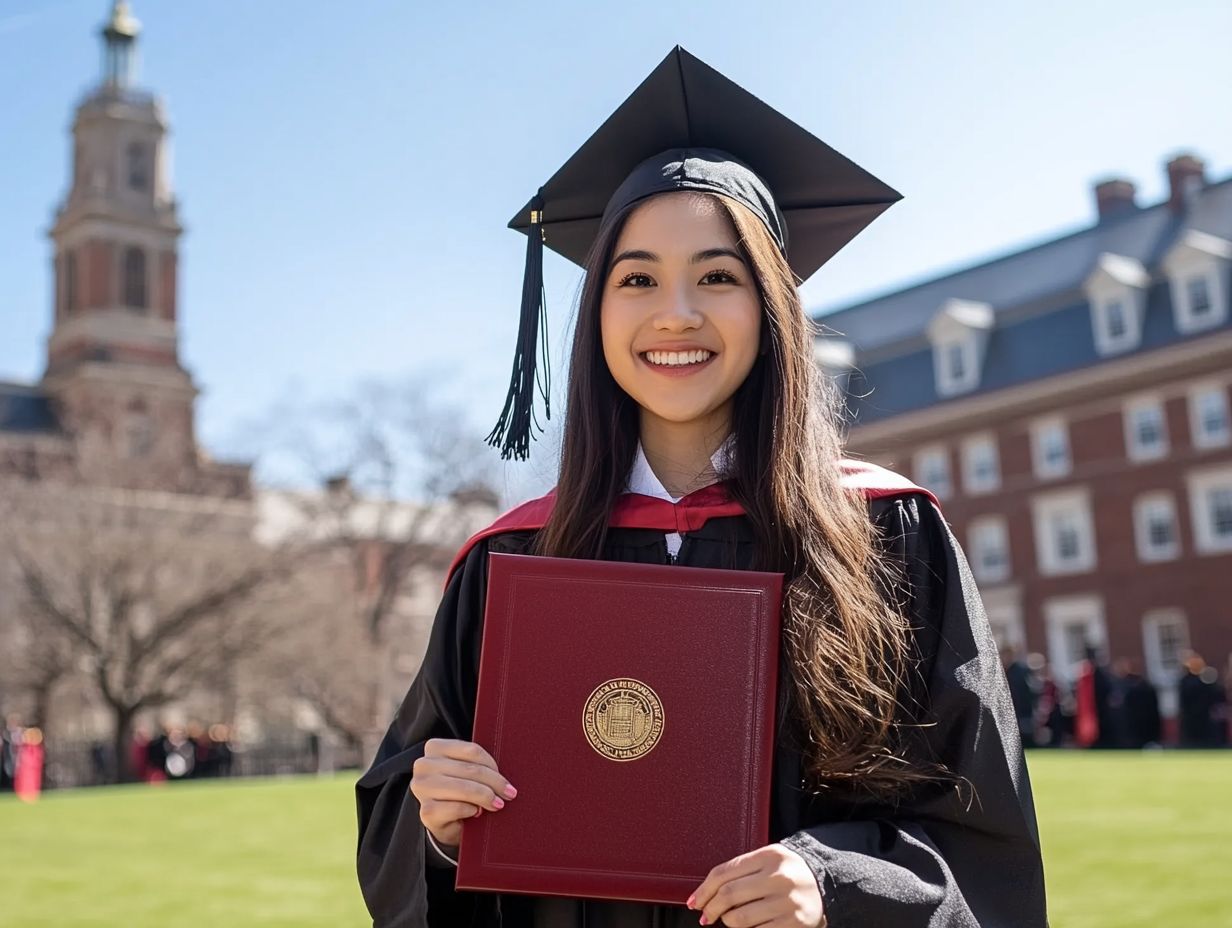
x=1186, y=176
x=1114, y=197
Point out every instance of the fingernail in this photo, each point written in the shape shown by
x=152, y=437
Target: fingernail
x=498, y=802
x=703, y=921
x=689, y=902
x=478, y=812
x=510, y=791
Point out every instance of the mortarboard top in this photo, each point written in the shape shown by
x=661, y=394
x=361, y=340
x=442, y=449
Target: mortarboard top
x=686, y=127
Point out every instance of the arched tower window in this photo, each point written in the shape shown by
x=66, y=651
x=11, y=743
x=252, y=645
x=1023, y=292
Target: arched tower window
x=134, y=278
x=70, y=282
x=138, y=166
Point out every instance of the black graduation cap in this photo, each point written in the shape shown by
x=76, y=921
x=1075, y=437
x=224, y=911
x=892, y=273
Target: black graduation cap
x=685, y=127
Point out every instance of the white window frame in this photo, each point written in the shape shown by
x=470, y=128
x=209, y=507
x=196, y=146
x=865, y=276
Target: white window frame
x=1003, y=608
x=1163, y=673
x=1046, y=510
x=1201, y=438
x=1040, y=432
x=943, y=485
x=972, y=449
x=1134, y=409
x=983, y=535
x=1198, y=254
x=1117, y=279
x=947, y=383
x=1146, y=508
x=1062, y=613
x=1202, y=484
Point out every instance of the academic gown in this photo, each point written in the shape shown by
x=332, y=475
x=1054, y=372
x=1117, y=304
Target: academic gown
x=945, y=858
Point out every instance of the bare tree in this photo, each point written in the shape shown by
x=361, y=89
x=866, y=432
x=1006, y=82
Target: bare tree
x=406, y=482
x=155, y=593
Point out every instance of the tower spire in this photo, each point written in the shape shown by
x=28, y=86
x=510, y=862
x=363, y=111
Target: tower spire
x=120, y=47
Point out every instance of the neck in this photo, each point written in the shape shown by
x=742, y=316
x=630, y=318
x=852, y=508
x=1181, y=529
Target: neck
x=680, y=453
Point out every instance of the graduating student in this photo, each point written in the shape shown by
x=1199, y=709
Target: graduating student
x=700, y=432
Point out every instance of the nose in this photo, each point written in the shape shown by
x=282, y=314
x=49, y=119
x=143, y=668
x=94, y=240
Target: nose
x=677, y=313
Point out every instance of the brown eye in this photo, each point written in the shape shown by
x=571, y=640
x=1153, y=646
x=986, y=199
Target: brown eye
x=635, y=279
x=719, y=277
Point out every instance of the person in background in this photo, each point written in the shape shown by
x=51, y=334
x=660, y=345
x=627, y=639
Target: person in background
x=1024, y=693
x=1198, y=700
x=1140, y=707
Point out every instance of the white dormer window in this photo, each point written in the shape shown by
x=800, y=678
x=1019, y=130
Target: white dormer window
x=1146, y=430
x=959, y=334
x=990, y=549
x=1116, y=290
x=1197, y=268
x=1050, y=449
x=1155, y=528
x=1208, y=416
x=932, y=471
x=981, y=464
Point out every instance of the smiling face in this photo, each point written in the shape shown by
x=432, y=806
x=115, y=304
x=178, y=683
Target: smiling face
x=680, y=315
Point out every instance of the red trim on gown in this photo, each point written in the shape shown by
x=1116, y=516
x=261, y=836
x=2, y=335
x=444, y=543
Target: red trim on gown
x=633, y=510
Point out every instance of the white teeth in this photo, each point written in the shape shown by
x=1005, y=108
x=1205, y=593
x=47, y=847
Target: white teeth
x=677, y=358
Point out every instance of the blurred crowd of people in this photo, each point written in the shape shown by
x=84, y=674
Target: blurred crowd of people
x=1115, y=705
x=175, y=753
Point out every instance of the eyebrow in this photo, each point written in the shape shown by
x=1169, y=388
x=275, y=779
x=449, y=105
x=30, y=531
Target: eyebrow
x=700, y=257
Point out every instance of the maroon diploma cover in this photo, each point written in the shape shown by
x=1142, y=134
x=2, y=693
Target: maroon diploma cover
x=633, y=706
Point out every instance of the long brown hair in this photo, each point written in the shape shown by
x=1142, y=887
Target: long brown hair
x=844, y=636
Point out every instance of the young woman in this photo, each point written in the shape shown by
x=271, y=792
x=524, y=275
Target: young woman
x=900, y=798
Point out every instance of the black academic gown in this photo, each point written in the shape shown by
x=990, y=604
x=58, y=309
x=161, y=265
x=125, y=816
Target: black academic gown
x=946, y=858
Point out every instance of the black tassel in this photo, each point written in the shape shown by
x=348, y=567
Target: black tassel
x=514, y=429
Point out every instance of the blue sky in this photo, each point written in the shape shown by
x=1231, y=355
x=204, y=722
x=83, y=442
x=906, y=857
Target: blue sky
x=346, y=171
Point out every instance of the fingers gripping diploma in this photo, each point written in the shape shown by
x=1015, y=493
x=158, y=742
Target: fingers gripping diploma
x=454, y=781
x=771, y=887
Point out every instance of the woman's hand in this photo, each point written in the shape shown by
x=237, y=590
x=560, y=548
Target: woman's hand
x=771, y=887
x=454, y=781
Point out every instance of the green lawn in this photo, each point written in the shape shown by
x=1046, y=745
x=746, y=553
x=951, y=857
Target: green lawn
x=1129, y=840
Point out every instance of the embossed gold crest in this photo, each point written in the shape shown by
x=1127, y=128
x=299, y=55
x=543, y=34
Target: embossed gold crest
x=623, y=719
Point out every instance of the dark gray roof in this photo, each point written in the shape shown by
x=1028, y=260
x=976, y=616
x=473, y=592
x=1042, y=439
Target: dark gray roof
x=1042, y=321
x=23, y=408
x=1033, y=274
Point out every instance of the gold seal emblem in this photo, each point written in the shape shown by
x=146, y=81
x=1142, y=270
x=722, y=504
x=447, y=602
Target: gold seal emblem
x=623, y=719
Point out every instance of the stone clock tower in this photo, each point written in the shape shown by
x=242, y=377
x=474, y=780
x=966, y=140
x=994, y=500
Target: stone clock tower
x=113, y=375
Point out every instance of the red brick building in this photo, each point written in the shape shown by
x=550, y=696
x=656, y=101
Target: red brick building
x=1070, y=405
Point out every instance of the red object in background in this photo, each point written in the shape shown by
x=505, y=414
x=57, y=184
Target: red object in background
x=703, y=644
x=28, y=781
x=1086, y=713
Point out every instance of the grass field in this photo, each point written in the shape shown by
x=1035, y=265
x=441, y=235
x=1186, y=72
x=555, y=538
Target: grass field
x=1129, y=840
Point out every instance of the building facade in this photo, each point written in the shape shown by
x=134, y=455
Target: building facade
x=1069, y=404
x=115, y=404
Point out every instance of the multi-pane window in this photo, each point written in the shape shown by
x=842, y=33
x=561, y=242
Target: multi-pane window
x=1064, y=532
x=1210, y=499
x=1208, y=416
x=1198, y=291
x=1155, y=528
x=981, y=464
x=932, y=470
x=1146, y=435
x=955, y=361
x=1165, y=638
x=1114, y=318
x=1050, y=448
x=989, y=542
